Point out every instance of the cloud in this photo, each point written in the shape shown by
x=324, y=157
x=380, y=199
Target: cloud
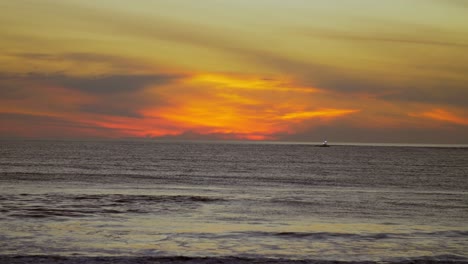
x=111, y=94
x=41, y=120
x=112, y=21
x=84, y=58
x=110, y=109
x=321, y=113
x=194, y=135
x=108, y=84
x=11, y=91
x=128, y=96
x=442, y=95
x=347, y=132
x=249, y=83
x=206, y=37
x=443, y=115
x=115, y=95
x=311, y=73
x=37, y=126
x=391, y=63
x=77, y=63
x=378, y=38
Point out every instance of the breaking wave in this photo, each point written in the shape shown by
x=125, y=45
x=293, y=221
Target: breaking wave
x=449, y=259
x=60, y=205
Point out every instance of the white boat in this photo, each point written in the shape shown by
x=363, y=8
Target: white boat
x=324, y=144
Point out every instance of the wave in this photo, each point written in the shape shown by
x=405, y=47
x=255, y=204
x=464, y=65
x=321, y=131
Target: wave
x=24, y=259
x=332, y=237
x=328, y=235
x=66, y=205
x=336, y=235
x=124, y=198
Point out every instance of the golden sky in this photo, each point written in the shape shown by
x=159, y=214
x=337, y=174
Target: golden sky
x=296, y=70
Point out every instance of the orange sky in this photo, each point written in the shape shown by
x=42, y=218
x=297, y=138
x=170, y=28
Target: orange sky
x=235, y=70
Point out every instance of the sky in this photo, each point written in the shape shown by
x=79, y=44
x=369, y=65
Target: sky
x=297, y=70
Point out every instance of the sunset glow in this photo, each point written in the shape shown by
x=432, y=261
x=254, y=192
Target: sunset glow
x=250, y=70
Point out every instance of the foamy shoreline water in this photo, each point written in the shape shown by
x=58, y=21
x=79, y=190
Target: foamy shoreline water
x=212, y=260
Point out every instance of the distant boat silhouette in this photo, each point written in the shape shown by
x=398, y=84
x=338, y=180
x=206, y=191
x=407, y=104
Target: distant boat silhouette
x=324, y=144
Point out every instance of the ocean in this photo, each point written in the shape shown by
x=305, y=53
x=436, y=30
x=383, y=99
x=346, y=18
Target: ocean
x=192, y=202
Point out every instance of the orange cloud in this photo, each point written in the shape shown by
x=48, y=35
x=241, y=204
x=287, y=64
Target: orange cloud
x=241, y=107
x=223, y=106
x=249, y=83
x=326, y=113
x=443, y=115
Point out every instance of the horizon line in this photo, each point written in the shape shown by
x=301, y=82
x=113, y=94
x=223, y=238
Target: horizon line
x=244, y=141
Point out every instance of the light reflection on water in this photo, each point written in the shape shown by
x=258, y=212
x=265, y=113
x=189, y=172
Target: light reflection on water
x=171, y=236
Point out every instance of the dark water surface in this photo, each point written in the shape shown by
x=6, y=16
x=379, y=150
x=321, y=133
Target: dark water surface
x=149, y=201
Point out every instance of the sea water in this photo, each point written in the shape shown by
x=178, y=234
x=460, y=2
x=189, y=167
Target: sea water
x=119, y=199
